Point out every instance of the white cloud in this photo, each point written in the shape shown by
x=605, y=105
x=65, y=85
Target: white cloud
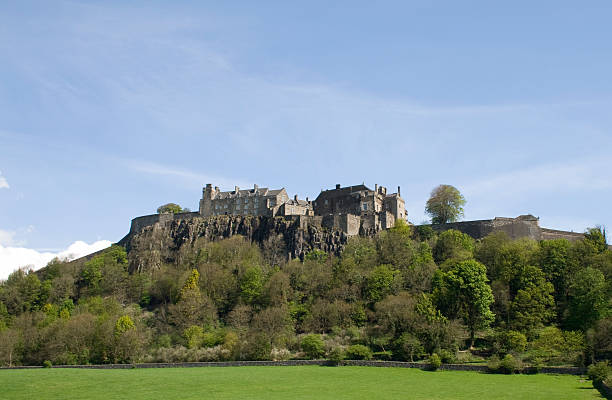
x=3, y=182
x=13, y=258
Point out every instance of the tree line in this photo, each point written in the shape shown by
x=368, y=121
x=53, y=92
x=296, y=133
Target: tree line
x=405, y=294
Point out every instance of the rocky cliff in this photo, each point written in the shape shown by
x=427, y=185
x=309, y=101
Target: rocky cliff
x=151, y=245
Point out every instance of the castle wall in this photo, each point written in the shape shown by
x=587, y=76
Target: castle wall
x=516, y=228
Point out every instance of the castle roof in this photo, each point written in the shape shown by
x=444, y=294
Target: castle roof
x=248, y=193
x=344, y=191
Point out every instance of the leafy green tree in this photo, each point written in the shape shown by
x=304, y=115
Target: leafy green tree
x=445, y=204
x=170, y=208
x=453, y=245
x=463, y=291
x=251, y=285
x=123, y=324
x=588, y=299
x=313, y=346
x=194, y=336
x=407, y=347
x=533, y=305
x=193, y=307
x=381, y=282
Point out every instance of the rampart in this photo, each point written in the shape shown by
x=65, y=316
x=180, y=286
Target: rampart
x=520, y=227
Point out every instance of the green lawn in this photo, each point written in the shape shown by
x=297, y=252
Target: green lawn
x=307, y=382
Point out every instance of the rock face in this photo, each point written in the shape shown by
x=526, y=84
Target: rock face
x=151, y=245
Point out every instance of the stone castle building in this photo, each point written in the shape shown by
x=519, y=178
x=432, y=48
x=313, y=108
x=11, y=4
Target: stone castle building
x=350, y=208
x=257, y=201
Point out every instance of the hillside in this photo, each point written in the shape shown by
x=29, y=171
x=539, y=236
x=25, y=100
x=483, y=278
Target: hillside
x=224, y=289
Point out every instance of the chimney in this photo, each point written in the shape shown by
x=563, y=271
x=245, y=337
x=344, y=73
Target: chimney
x=255, y=187
x=398, y=192
x=376, y=188
x=236, y=189
x=337, y=186
x=306, y=199
x=216, y=188
x=295, y=198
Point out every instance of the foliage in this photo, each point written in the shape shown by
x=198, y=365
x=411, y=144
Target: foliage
x=313, y=346
x=453, y=245
x=172, y=208
x=401, y=294
x=463, y=291
x=434, y=362
x=445, y=204
x=358, y=352
x=599, y=372
x=194, y=336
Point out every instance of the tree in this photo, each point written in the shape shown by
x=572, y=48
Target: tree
x=465, y=293
x=445, y=204
x=171, y=208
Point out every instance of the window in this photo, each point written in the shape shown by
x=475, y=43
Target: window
x=225, y=206
x=237, y=206
x=326, y=202
x=364, y=206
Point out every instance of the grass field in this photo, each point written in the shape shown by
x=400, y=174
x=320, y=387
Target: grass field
x=307, y=382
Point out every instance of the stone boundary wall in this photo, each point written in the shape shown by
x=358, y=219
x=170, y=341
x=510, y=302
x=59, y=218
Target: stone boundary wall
x=292, y=363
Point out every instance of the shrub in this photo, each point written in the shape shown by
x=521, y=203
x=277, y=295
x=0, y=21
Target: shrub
x=447, y=356
x=358, y=352
x=510, y=342
x=313, y=346
x=434, y=362
x=47, y=364
x=336, y=355
x=599, y=372
x=508, y=364
x=493, y=364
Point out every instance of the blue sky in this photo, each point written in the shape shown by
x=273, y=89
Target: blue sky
x=109, y=109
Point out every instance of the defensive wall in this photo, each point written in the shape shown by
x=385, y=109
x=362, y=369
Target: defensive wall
x=520, y=227
x=524, y=226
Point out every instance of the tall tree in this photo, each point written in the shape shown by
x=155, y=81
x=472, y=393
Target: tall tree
x=445, y=204
x=463, y=292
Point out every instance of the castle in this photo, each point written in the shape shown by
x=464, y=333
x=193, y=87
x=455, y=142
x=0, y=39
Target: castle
x=341, y=212
x=353, y=209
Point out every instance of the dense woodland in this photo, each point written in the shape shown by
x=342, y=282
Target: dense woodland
x=404, y=295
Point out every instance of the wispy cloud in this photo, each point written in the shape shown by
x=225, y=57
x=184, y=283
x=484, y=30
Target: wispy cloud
x=189, y=177
x=587, y=174
x=3, y=182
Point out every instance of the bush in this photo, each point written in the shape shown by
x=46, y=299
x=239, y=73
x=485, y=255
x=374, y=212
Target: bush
x=599, y=372
x=510, y=342
x=358, y=352
x=313, y=346
x=336, y=355
x=47, y=364
x=508, y=364
x=493, y=364
x=447, y=356
x=434, y=362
